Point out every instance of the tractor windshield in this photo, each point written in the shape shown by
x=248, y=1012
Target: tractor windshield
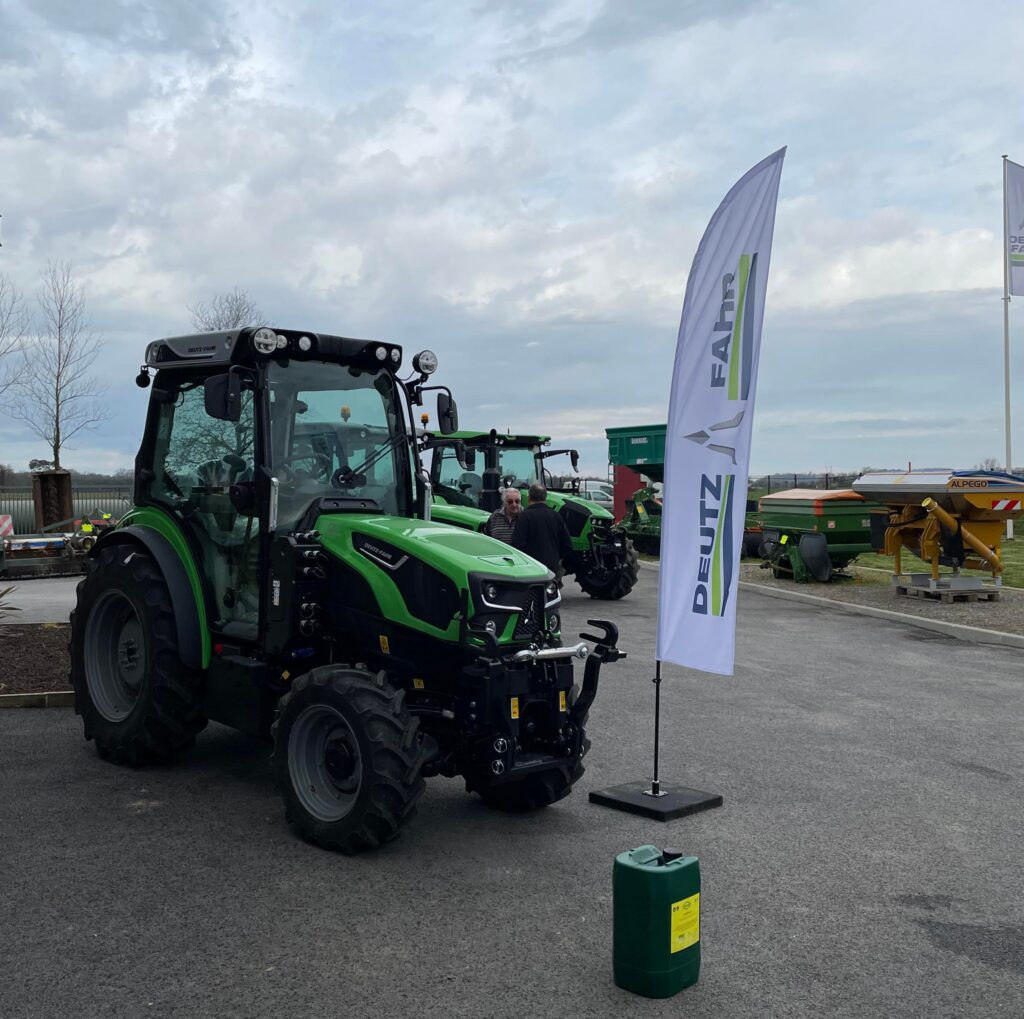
x=519, y=466
x=337, y=430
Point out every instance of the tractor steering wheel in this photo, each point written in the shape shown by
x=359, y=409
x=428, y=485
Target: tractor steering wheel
x=320, y=470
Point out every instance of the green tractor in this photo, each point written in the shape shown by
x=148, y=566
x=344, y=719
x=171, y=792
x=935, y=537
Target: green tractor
x=471, y=469
x=280, y=574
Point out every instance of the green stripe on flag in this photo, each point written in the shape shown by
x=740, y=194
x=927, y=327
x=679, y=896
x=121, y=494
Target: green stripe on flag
x=716, y=561
x=735, y=353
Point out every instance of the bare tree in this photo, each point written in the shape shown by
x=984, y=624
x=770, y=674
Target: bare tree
x=58, y=397
x=231, y=309
x=990, y=463
x=13, y=327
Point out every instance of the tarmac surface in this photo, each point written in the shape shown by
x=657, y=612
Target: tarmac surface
x=866, y=861
x=42, y=600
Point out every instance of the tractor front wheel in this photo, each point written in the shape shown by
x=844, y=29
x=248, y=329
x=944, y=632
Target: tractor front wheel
x=348, y=757
x=137, y=699
x=611, y=585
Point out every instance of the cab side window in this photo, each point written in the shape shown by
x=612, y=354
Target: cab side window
x=196, y=461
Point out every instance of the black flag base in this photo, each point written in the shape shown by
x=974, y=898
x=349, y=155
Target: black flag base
x=667, y=804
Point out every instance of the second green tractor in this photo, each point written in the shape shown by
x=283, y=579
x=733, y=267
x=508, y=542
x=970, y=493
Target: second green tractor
x=470, y=470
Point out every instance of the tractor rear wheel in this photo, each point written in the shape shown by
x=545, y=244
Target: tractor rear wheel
x=348, y=757
x=137, y=699
x=610, y=585
x=531, y=793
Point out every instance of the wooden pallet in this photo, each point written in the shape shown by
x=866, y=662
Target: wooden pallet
x=948, y=597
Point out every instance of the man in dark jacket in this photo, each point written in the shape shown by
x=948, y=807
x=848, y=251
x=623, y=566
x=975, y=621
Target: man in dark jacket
x=540, y=532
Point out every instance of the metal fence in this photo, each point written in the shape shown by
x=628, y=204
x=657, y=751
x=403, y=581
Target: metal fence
x=780, y=482
x=17, y=503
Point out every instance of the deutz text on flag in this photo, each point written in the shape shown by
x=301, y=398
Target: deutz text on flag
x=707, y=449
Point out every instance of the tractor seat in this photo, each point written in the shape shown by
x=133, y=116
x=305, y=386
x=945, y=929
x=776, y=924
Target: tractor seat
x=471, y=484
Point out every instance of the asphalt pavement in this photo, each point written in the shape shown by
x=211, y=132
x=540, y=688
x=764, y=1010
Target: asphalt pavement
x=41, y=600
x=866, y=861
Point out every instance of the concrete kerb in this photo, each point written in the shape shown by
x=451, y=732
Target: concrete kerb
x=973, y=634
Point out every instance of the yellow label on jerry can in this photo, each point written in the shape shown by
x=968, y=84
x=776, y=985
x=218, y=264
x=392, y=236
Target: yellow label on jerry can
x=685, y=922
x=561, y=701
x=515, y=707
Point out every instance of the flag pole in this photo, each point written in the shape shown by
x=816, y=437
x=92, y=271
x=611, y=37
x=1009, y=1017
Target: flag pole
x=656, y=782
x=1006, y=333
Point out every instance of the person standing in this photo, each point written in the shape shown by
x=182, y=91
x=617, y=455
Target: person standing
x=541, y=532
x=501, y=524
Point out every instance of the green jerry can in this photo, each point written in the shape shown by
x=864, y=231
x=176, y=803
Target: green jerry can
x=656, y=925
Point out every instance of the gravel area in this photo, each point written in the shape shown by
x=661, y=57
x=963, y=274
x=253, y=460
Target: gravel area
x=33, y=658
x=874, y=588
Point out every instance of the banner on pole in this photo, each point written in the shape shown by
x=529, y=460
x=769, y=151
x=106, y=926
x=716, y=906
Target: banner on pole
x=1015, y=224
x=707, y=445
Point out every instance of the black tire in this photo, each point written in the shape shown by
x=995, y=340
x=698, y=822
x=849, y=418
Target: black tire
x=616, y=584
x=751, y=544
x=337, y=718
x=137, y=699
x=531, y=793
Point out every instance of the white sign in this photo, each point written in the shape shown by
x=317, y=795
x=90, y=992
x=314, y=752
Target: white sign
x=707, y=445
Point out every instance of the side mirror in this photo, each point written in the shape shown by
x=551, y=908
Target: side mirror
x=222, y=395
x=465, y=456
x=574, y=458
x=447, y=414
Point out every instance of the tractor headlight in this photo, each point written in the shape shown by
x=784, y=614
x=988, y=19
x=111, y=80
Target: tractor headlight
x=282, y=341
x=382, y=353
x=396, y=355
x=305, y=344
x=552, y=596
x=491, y=592
x=554, y=623
x=265, y=341
x=425, y=362
x=491, y=626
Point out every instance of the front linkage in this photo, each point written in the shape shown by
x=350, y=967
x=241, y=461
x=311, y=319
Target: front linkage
x=608, y=568
x=523, y=728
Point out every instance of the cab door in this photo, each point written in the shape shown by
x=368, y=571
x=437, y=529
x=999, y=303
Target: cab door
x=204, y=474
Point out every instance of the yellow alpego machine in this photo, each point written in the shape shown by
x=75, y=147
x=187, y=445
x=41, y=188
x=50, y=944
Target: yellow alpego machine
x=947, y=518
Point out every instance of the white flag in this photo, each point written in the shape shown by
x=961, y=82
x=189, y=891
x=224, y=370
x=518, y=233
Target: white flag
x=707, y=445
x=1015, y=223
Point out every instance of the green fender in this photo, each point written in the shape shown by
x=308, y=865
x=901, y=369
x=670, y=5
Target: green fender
x=157, y=532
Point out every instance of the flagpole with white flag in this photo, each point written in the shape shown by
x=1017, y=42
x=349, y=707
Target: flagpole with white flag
x=707, y=456
x=1011, y=246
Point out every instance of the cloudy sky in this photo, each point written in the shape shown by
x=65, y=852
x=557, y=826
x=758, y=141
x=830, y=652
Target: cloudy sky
x=520, y=185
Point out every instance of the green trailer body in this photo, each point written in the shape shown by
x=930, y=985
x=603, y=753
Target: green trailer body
x=640, y=447
x=841, y=517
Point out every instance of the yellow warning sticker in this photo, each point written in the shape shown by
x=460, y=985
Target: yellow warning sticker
x=515, y=707
x=685, y=922
x=417, y=683
x=561, y=701
x=384, y=645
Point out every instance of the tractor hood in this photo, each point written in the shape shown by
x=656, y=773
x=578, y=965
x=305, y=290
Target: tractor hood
x=556, y=500
x=453, y=551
x=468, y=517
